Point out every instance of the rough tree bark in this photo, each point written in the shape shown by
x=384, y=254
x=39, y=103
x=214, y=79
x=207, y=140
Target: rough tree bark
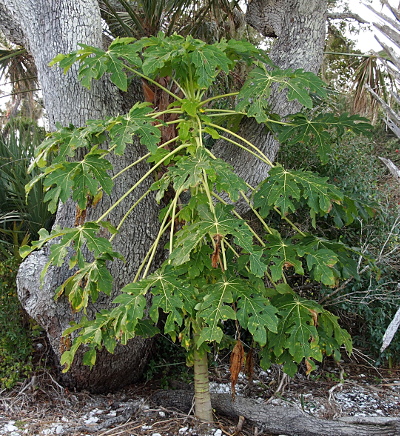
x=299, y=27
x=49, y=27
x=286, y=420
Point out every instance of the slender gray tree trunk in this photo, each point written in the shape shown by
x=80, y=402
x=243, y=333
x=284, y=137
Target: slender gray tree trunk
x=49, y=27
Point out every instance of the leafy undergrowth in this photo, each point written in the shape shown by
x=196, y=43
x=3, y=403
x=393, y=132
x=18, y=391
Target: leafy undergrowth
x=40, y=406
x=17, y=331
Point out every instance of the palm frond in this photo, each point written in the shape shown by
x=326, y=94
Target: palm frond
x=389, y=103
x=208, y=19
x=20, y=216
x=370, y=74
x=18, y=69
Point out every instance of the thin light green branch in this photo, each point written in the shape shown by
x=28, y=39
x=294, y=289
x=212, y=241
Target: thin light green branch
x=212, y=155
x=218, y=97
x=131, y=165
x=179, y=87
x=144, y=177
x=261, y=154
x=153, y=82
x=142, y=158
x=173, y=216
x=199, y=94
x=284, y=217
x=208, y=193
x=223, y=111
x=265, y=225
x=167, y=111
x=246, y=149
x=223, y=250
x=199, y=136
x=260, y=218
x=153, y=248
x=189, y=85
x=246, y=267
x=237, y=215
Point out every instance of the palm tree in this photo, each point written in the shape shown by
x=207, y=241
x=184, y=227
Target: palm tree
x=206, y=19
x=18, y=70
x=391, y=63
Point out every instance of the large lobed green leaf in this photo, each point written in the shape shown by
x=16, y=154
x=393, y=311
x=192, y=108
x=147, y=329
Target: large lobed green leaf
x=281, y=254
x=289, y=189
x=174, y=56
x=86, y=283
x=254, y=95
x=305, y=331
x=82, y=179
x=189, y=171
x=297, y=332
x=254, y=310
x=136, y=122
x=215, y=308
x=94, y=62
x=319, y=130
x=221, y=222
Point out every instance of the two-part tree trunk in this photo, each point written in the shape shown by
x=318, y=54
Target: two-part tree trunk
x=49, y=27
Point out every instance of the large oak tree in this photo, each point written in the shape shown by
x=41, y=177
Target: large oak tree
x=49, y=27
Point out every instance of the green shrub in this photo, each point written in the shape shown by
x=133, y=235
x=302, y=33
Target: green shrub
x=168, y=364
x=16, y=331
x=366, y=306
x=21, y=216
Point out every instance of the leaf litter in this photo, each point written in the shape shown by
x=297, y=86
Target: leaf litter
x=40, y=406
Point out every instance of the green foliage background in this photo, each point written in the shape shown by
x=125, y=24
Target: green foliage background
x=21, y=215
x=365, y=306
x=16, y=330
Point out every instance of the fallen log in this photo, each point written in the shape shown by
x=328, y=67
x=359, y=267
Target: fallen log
x=286, y=420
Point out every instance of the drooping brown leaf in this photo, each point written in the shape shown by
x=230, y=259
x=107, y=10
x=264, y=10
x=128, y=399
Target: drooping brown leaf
x=215, y=257
x=148, y=92
x=80, y=216
x=236, y=365
x=308, y=366
x=65, y=343
x=249, y=365
x=314, y=314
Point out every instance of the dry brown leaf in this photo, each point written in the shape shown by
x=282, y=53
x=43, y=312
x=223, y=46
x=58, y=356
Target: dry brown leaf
x=215, y=257
x=80, y=216
x=308, y=366
x=314, y=314
x=65, y=343
x=237, y=358
x=287, y=265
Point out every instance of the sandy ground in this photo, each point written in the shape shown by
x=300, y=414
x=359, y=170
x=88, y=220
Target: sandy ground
x=40, y=406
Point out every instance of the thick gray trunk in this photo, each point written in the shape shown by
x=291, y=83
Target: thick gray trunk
x=52, y=27
x=299, y=28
